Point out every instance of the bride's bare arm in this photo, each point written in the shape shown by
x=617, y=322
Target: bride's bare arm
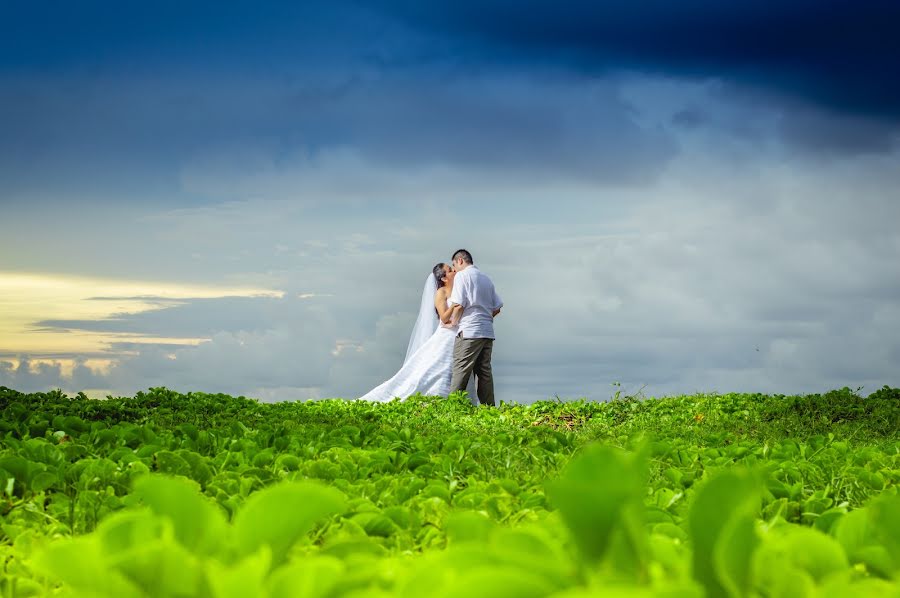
x=455, y=313
x=440, y=304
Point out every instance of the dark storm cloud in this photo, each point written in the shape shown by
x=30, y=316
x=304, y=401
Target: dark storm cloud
x=818, y=133
x=112, y=97
x=689, y=118
x=118, y=135
x=839, y=54
x=137, y=37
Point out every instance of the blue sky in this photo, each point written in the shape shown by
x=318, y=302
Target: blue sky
x=246, y=199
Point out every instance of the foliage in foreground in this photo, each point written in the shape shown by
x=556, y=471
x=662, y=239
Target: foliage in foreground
x=208, y=495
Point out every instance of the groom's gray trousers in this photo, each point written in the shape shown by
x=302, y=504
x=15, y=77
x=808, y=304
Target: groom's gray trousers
x=473, y=355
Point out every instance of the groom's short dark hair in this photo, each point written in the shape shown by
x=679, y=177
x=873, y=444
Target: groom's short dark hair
x=462, y=254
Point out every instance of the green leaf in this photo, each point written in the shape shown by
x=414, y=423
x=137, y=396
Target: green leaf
x=856, y=533
x=80, y=564
x=288, y=462
x=669, y=552
x=311, y=578
x=827, y=520
x=468, y=526
x=350, y=548
x=497, y=582
x=848, y=584
x=792, y=583
x=264, y=458
x=532, y=550
x=721, y=526
x=674, y=475
x=199, y=524
x=814, y=552
x=793, y=559
x=427, y=577
x=20, y=468
x=733, y=554
x=172, y=463
x=375, y=523
x=438, y=490
x=400, y=515
x=510, y=486
x=592, y=494
x=246, y=578
x=885, y=513
x=44, y=481
x=280, y=515
x=161, y=567
x=200, y=471
x=122, y=531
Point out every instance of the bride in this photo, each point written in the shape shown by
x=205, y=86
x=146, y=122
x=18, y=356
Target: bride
x=429, y=356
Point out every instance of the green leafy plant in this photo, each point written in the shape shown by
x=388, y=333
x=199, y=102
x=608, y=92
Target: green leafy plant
x=209, y=495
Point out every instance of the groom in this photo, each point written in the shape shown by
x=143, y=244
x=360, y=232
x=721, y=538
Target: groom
x=475, y=304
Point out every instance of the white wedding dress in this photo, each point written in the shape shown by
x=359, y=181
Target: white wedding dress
x=428, y=367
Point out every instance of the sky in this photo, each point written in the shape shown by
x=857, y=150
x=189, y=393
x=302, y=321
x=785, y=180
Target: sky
x=243, y=198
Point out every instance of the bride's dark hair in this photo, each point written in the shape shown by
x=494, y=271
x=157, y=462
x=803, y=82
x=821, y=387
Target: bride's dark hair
x=439, y=273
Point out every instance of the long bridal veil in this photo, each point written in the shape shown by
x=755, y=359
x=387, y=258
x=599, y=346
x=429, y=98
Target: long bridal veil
x=427, y=322
x=427, y=366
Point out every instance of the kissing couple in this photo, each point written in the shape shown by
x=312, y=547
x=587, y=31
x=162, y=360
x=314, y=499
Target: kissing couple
x=453, y=337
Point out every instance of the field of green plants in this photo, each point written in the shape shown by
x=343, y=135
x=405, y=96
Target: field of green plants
x=168, y=494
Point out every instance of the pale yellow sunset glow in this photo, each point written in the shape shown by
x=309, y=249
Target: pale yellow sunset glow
x=29, y=298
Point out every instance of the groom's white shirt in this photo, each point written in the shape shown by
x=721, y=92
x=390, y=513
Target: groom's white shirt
x=475, y=292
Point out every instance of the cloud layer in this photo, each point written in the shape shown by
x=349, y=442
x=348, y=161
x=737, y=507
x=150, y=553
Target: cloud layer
x=690, y=197
x=784, y=280
x=834, y=53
